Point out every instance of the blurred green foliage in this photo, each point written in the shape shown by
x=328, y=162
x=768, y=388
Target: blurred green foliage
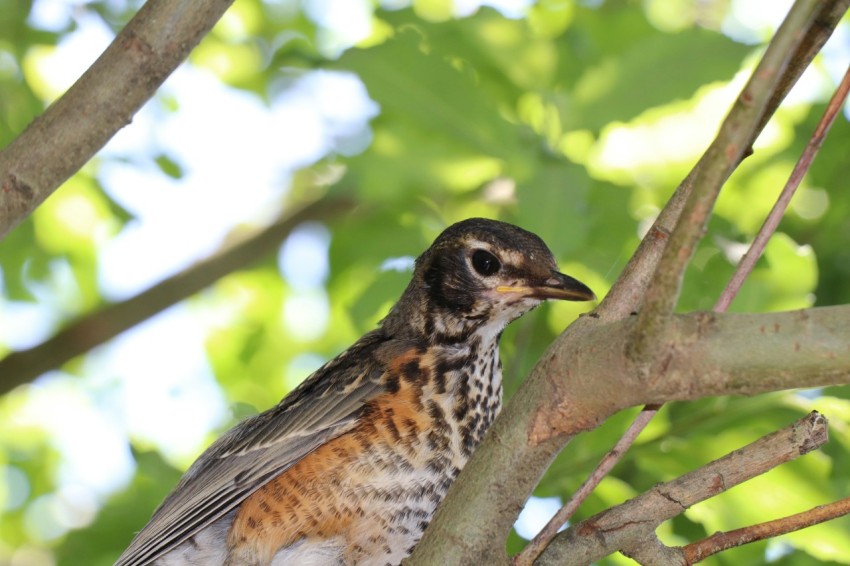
x=576, y=122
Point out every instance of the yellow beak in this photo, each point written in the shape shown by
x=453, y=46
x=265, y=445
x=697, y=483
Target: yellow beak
x=559, y=286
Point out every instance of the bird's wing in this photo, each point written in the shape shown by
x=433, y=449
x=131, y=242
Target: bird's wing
x=260, y=448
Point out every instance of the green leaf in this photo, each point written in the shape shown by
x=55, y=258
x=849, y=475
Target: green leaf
x=169, y=166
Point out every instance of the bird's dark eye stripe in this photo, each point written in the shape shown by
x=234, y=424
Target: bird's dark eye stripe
x=485, y=263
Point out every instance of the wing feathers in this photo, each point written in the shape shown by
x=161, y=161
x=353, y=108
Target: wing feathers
x=261, y=448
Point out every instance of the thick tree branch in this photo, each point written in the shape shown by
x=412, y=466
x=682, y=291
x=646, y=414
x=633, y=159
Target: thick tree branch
x=630, y=525
x=96, y=328
x=652, y=552
x=101, y=102
x=562, y=396
x=743, y=270
x=586, y=377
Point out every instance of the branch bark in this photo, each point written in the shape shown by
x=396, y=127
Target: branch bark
x=627, y=293
x=571, y=390
x=630, y=525
x=587, y=376
x=60, y=141
x=720, y=160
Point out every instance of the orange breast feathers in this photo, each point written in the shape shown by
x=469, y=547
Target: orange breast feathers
x=334, y=487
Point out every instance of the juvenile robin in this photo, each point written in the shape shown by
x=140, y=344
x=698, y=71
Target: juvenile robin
x=351, y=465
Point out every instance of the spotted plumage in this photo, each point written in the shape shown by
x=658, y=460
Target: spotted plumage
x=350, y=467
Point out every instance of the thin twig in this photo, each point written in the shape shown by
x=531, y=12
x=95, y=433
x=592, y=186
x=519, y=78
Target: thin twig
x=533, y=549
x=745, y=266
x=718, y=542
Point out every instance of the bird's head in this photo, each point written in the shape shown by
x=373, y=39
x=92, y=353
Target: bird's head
x=483, y=273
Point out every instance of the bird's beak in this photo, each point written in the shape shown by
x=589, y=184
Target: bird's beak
x=558, y=286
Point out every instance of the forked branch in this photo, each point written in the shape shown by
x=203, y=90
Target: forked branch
x=748, y=262
x=628, y=291
x=628, y=526
x=744, y=268
x=721, y=158
x=635, y=277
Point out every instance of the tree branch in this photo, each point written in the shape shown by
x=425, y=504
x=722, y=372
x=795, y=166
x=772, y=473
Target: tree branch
x=628, y=291
x=60, y=141
x=558, y=399
x=629, y=525
x=743, y=270
x=698, y=551
x=587, y=377
x=533, y=549
x=745, y=266
x=721, y=158
x=96, y=328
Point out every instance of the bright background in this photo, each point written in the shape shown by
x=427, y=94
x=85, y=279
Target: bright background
x=573, y=119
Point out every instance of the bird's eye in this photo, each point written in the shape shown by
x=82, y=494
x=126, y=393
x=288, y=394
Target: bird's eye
x=485, y=263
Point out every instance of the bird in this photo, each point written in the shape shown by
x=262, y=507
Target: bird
x=349, y=467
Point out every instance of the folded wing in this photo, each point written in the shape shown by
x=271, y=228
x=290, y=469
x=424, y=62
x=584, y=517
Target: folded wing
x=262, y=447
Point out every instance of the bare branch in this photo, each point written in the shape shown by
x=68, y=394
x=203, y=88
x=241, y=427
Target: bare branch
x=533, y=549
x=745, y=266
x=628, y=292
x=699, y=551
x=96, y=328
x=581, y=381
x=721, y=158
x=631, y=523
x=101, y=102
